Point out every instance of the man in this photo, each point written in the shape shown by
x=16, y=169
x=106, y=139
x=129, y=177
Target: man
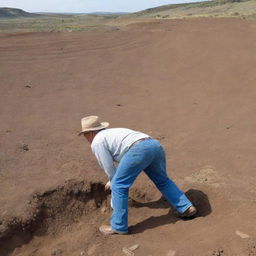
x=134, y=151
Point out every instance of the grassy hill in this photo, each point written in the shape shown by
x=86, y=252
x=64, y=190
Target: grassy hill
x=27, y=22
x=215, y=8
x=15, y=13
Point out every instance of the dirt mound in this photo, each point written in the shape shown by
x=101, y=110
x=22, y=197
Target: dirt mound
x=50, y=212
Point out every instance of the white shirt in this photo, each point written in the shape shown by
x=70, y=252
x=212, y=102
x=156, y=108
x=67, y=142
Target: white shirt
x=110, y=145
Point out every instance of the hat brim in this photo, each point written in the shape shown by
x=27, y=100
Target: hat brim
x=102, y=126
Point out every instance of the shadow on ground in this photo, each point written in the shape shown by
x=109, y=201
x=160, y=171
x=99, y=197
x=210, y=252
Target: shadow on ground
x=200, y=201
x=198, y=198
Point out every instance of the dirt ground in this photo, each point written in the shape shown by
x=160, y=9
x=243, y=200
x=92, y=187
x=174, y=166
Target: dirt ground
x=189, y=83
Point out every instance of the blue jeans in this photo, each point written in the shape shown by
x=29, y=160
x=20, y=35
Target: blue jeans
x=147, y=155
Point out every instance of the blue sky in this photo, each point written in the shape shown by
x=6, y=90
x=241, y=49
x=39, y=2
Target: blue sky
x=86, y=5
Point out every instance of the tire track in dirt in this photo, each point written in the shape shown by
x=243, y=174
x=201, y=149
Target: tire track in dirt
x=65, y=49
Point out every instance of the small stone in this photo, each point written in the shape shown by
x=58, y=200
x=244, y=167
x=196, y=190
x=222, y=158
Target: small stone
x=218, y=252
x=28, y=86
x=160, y=137
x=241, y=234
x=103, y=210
x=25, y=147
x=82, y=253
x=133, y=247
x=171, y=253
x=128, y=252
x=119, y=105
x=57, y=252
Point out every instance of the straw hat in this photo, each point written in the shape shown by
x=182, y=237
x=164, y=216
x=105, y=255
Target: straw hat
x=91, y=123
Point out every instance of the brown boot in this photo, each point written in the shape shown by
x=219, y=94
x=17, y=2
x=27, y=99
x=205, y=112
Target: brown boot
x=190, y=212
x=107, y=230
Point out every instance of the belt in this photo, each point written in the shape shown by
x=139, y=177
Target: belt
x=137, y=141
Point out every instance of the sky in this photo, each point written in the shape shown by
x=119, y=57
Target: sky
x=86, y=6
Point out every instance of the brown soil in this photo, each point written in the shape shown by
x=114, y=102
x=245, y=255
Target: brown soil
x=188, y=83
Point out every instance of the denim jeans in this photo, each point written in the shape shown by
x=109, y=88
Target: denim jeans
x=147, y=155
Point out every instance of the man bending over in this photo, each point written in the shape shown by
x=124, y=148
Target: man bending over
x=135, y=152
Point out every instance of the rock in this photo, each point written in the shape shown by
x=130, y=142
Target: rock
x=57, y=253
x=128, y=252
x=218, y=252
x=171, y=253
x=23, y=147
x=133, y=247
x=241, y=234
x=103, y=210
x=160, y=137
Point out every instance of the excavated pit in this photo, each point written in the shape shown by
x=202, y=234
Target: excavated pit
x=50, y=211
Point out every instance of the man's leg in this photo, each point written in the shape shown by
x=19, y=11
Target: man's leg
x=157, y=173
x=132, y=163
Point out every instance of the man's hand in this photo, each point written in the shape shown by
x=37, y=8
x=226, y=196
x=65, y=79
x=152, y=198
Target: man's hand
x=107, y=186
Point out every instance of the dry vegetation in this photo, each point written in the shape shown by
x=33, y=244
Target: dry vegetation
x=245, y=9
x=85, y=22
x=53, y=23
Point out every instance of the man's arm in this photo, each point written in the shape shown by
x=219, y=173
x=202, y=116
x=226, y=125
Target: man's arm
x=105, y=159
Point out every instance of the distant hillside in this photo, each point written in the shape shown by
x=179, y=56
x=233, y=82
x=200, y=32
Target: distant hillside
x=6, y=12
x=200, y=4
x=108, y=13
x=15, y=20
x=215, y=8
